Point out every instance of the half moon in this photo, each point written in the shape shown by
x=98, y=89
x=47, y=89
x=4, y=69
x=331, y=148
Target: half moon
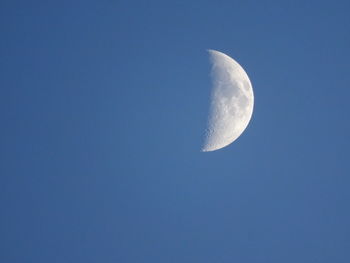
x=232, y=102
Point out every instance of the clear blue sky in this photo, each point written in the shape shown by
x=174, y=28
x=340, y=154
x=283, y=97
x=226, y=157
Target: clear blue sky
x=103, y=105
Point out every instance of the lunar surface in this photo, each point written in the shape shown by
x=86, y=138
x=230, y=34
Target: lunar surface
x=231, y=103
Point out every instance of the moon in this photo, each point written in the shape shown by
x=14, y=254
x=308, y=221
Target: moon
x=231, y=102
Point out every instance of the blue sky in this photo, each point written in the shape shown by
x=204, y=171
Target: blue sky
x=103, y=105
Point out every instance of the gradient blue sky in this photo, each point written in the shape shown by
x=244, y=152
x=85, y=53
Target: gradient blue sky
x=103, y=105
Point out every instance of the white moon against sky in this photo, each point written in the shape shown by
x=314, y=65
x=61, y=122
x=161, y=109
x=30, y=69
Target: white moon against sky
x=232, y=102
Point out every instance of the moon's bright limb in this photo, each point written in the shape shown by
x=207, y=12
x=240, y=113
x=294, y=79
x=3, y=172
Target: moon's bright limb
x=232, y=102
